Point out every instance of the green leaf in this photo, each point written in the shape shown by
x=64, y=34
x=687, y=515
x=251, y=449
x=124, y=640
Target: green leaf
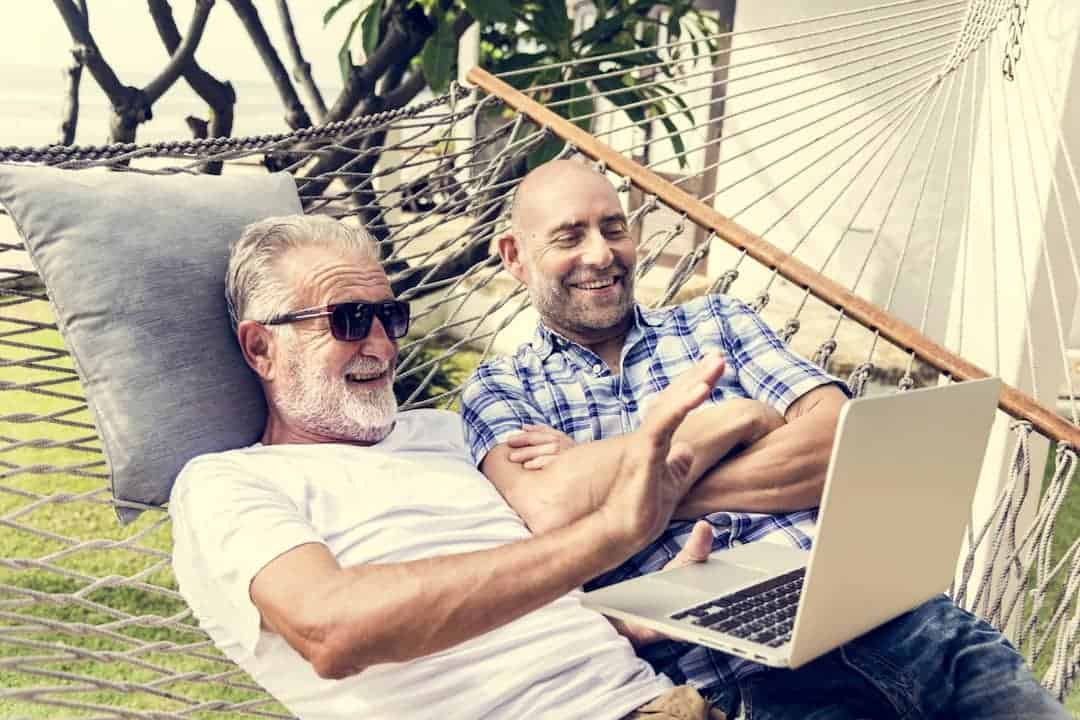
x=329, y=15
x=664, y=94
x=552, y=25
x=491, y=11
x=344, y=56
x=369, y=28
x=678, y=11
x=581, y=106
x=548, y=150
x=534, y=62
x=676, y=140
x=625, y=97
x=439, y=54
x=602, y=30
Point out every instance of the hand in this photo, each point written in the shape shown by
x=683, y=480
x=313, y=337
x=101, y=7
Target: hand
x=652, y=474
x=537, y=445
x=768, y=420
x=697, y=549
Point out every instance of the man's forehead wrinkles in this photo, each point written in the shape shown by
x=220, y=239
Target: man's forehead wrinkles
x=323, y=280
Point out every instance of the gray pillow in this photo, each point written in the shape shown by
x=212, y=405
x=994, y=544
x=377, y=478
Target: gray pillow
x=135, y=269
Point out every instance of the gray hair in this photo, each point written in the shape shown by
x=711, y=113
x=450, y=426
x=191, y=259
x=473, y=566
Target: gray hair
x=253, y=289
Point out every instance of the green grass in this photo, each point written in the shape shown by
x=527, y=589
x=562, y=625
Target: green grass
x=1066, y=531
x=45, y=514
x=57, y=540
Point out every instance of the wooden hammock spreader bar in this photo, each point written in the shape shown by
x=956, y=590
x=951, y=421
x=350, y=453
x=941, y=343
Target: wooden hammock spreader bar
x=1012, y=401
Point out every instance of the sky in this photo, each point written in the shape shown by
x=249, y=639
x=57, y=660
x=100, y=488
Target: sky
x=35, y=47
x=32, y=34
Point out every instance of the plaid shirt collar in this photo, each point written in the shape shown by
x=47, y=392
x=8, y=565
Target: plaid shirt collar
x=546, y=341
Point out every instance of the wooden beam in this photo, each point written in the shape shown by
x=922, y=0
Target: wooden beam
x=1012, y=401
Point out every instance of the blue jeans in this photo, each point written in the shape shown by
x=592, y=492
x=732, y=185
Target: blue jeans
x=937, y=661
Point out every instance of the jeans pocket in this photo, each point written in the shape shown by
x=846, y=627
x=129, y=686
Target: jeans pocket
x=896, y=685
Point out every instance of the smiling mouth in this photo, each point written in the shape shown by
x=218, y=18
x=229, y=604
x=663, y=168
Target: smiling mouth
x=365, y=378
x=600, y=284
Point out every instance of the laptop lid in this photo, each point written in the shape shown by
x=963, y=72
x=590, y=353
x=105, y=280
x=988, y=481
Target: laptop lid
x=897, y=498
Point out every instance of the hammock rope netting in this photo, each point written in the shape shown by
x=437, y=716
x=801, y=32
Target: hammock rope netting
x=884, y=158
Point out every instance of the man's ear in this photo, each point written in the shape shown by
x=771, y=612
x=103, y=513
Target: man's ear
x=510, y=252
x=257, y=344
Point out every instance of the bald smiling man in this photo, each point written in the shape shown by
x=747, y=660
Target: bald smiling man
x=539, y=425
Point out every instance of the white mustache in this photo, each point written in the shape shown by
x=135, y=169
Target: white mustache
x=367, y=366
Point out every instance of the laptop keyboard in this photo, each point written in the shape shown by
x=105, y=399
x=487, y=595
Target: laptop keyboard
x=762, y=613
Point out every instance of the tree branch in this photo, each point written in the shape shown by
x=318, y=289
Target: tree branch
x=296, y=115
x=69, y=117
x=404, y=93
x=397, y=39
x=79, y=29
x=405, y=279
x=183, y=54
x=407, y=29
x=219, y=95
x=302, y=69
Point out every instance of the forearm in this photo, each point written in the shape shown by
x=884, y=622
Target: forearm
x=572, y=485
x=371, y=614
x=713, y=432
x=577, y=480
x=782, y=472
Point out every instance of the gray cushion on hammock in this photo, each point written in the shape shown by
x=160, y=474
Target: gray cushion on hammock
x=135, y=269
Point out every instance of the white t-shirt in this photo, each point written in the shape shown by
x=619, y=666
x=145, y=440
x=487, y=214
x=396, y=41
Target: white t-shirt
x=414, y=495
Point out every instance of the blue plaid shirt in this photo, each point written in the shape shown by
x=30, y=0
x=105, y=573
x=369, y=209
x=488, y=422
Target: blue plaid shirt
x=556, y=382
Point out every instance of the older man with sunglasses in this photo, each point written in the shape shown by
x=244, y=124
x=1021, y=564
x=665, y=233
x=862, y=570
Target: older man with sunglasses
x=356, y=564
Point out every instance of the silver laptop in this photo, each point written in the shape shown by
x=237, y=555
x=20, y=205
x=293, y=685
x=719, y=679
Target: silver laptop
x=897, y=498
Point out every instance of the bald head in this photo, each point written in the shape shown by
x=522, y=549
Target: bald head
x=545, y=189
x=571, y=246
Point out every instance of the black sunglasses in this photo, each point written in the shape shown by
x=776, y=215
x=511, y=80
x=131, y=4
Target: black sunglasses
x=352, y=320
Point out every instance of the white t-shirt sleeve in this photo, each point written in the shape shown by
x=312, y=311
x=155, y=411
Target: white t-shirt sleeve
x=228, y=524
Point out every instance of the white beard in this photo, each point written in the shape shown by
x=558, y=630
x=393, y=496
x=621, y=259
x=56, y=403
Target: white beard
x=333, y=406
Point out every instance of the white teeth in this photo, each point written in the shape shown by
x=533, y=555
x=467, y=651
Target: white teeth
x=596, y=284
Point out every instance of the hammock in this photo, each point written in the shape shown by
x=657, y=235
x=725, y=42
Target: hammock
x=865, y=179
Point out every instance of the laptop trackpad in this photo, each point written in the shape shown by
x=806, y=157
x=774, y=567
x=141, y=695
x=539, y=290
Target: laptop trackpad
x=713, y=576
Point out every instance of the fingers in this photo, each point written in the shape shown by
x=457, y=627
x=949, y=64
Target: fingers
x=524, y=454
x=525, y=438
x=685, y=393
x=679, y=459
x=697, y=548
x=538, y=463
x=703, y=376
x=534, y=446
x=538, y=435
x=637, y=635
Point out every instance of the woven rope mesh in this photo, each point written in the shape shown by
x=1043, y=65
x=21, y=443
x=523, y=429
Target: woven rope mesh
x=821, y=136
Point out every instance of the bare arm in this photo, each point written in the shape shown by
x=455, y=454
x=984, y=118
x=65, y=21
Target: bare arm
x=343, y=620
x=572, y=485
x=550, y=484
x=783, y=471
